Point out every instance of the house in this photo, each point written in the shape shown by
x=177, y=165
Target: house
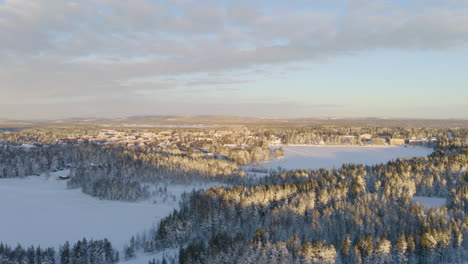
x=396, y=141
x=416, y=141
x=365, y=136
x=275, y=141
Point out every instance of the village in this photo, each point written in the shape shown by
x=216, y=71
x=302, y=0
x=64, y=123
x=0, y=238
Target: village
x=198, y=139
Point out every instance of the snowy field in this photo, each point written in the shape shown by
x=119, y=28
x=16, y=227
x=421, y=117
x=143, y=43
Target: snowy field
x=143, y=258
x=430, y=202
x=41, y=211
x=329, y=157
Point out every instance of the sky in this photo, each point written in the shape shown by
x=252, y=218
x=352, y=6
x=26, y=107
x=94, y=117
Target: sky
x=272, y=58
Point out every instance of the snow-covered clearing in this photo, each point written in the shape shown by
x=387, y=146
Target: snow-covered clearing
x=40, y=210
x=429, y=202
x=316, y=157
x=143, y=258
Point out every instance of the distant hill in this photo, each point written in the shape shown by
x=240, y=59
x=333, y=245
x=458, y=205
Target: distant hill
x=214, y=120
x=14, y=124
x=148, y=117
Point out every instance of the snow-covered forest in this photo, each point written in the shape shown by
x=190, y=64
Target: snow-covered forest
x=353, y=214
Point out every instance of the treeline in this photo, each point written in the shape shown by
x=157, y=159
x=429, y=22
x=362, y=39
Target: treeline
x=19, y=161
x=82, y=252
x=252, y=137
x=107, y=187
x=361, y=135
x=113, y=172
x=355, y=214
x=45, y=135
x=125, y=175
x=213, y=140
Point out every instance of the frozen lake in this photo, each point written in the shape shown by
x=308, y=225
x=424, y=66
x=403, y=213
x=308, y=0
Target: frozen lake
x=329, y=157
x=40, y=210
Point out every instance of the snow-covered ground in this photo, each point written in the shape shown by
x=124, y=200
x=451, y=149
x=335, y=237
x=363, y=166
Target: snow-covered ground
x=316, y=157
x=143, y=258
x=40, y=210
x=429, y=202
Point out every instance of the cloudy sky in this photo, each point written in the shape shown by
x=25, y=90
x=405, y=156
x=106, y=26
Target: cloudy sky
x=113, y=58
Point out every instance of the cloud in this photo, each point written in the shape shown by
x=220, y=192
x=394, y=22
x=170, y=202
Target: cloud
x=90, y=47
x=208, y=82
x=106, y=108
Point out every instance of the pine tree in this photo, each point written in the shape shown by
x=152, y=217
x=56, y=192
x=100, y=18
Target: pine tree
x=109, y=253
x=49, y=256
x=401, y=248
x=129, y=252
x=345, y=249
x=31, y=255
x=39, y=256
x=65, y=254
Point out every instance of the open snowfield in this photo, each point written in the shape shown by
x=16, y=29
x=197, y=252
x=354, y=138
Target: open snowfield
x=143, y=258
x=329, y=157
x=41, y=211
x=430, y=202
